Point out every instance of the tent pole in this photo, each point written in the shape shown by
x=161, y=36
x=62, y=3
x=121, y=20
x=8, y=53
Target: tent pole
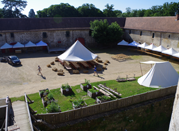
x=141, y=69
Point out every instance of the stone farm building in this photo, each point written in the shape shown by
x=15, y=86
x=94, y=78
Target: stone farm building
x=62, y=32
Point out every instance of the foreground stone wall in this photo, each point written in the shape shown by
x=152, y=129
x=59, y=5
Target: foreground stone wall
x=153, y=115
x=160, y=38
x=53, y=37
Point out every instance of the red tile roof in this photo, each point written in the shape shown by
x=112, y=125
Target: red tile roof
x=65, y=23
x=158, y=24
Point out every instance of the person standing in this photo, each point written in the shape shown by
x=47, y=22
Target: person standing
x=95, y=71
x=39, y=69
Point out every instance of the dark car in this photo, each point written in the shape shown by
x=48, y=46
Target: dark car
x=13, y=60
x=4, y=59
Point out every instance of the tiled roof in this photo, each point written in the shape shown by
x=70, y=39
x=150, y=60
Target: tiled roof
x=24, y=24
x=159, y=24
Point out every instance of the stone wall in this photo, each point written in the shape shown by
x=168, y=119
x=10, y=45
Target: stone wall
x=160, y=38
x=53, y=37
x=153, y=115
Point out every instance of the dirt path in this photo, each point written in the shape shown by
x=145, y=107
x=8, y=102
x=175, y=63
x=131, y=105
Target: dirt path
x=15, y=81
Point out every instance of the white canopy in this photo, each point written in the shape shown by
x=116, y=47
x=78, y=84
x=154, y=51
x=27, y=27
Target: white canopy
x=160, y=48
x=135, y=44
x=30, y=44
x=41, y=43
x=77, y=52
x=150, y=47
x=162, y=74
x=143, y=45
x=6, y=46
x=123, y=42
x=170, y=51
x=151, y=62
x=18, y=45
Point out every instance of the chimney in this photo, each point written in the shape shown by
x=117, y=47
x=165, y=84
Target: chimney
x=177, y=17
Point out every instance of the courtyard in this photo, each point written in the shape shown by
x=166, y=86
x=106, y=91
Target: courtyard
x=15, y=81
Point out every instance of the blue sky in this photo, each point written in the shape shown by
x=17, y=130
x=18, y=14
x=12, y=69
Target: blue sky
x=118, y=4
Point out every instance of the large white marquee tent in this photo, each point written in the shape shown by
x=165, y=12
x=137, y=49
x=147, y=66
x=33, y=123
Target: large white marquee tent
x=77, y=52
x=18, y=45
x=30, y=44
x=162, y=74
x=6, y=46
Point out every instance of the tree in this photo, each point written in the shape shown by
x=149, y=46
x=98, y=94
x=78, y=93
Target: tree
x=89, y=10
x=109, y=11
x=61, y=10
x=105, y=34
x=31, y=13
x=13, y=8
x=118, y=13
x=1, y=13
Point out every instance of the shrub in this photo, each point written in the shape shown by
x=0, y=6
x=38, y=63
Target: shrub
x=87, y=82
x=41, y=92
x=65, y=86
x=50, y=96
x=53, y=107
x=93, y=90
x=78, y=103
x=47, y=91
x=104, y=98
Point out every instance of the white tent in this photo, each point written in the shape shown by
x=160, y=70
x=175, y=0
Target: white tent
x=162, y=74
x=41, y=43
x=135, y=44
x=170, y=51
x=123, y=42
x=77, y=52
x=159, y=49
x=143, y=45
x=150, y=47
x=6, y=46
x=30, y=44
x=18, y=45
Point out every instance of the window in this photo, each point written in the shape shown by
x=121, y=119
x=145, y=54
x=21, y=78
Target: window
x=12, y=35
x=67, y=33
x=153, y=35
x=169, y=36
x=0, y=34
x=140, y=33
x=90, y=32
x=44, y=34
x=129, y=31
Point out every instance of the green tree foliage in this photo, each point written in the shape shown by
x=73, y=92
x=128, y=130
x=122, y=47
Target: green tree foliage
x=1, y=13
x=31, y=13
x=13, y=8
x=167, y=9
x=61, y=10
x=89, y=10
x=105, y=34
x=109, y=11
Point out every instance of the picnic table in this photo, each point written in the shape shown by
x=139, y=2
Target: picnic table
x=75, y=65
x=84, y=64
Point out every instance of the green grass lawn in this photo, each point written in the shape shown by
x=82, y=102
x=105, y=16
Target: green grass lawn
x=127, y=89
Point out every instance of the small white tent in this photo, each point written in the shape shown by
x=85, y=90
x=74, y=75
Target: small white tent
x=77, y=52
x=170, y=51
x=143, y=45
x=159, y=49
x=18, y=45
x=162, y=74
x=30, y=44
x=150, y=47
x=134, y=44
x=6, y=46
x=123, y=42
x=41, y=43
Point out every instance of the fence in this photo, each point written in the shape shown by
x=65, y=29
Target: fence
x=56, y=118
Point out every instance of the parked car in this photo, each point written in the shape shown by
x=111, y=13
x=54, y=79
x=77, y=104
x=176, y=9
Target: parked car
x=13, y=60
x=4, y=59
